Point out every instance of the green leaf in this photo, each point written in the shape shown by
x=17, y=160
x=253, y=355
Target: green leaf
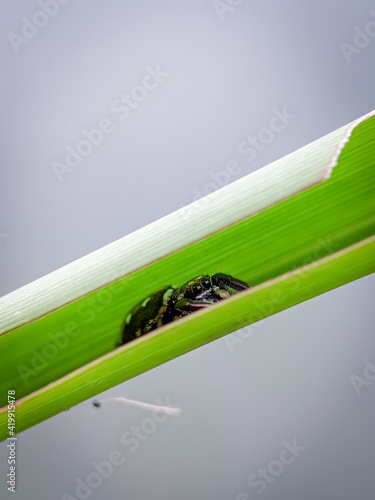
x=272, y=229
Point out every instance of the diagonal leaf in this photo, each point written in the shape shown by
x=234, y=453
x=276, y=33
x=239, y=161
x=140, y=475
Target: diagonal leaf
x=58, y=347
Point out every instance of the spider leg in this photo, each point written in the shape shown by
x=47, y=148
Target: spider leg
x=191, y=305
x=228, y=283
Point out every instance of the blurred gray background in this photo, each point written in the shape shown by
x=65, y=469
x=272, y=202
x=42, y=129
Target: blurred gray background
x=222, y=68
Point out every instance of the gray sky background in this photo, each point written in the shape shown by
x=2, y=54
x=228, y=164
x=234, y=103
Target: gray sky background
x=222, y=73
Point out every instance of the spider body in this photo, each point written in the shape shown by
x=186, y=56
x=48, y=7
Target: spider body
x=170, y=303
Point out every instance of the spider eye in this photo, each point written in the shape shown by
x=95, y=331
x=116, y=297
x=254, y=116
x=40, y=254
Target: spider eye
x=196, y=289
x=206, y=283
